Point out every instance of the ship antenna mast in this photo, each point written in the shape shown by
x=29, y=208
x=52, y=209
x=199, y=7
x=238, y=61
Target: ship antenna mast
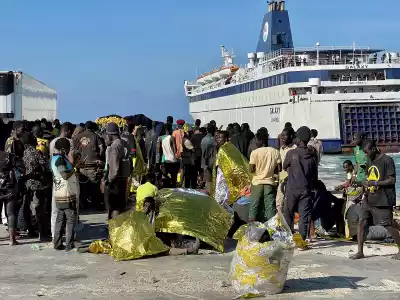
x=227, y=57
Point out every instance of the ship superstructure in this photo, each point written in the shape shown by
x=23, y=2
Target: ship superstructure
x=337, y=90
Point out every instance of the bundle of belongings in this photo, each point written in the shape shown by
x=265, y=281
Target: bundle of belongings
x=261, y=261
x=352, y=211
x=103, y=121
x=167, y=226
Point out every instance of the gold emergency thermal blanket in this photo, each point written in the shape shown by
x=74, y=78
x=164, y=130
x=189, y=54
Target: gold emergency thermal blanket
x=139, y=169
x=235, y=168
x=131, y=236
x=260, y=269
x=192, y=213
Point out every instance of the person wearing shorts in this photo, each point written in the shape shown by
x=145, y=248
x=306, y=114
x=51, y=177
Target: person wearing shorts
x=380, y=199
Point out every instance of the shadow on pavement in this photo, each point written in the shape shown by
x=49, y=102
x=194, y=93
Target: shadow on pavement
x=321, y=283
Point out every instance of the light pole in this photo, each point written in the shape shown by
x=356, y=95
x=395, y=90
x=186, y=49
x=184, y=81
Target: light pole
x=318, y=44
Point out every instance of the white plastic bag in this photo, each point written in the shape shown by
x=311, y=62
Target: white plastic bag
x=260, y=269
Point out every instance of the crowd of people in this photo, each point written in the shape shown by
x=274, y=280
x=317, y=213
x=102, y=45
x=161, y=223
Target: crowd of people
x=48, y=174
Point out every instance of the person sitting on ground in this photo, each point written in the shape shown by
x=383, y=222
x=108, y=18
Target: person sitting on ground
x=146, y=190
x=349, y=169
x=329, y=209
x=180, y=244
x=353, y=194
x=65, y=192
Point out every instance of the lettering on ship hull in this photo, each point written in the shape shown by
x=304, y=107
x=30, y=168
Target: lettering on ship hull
x=274, y=114
x=356, y=67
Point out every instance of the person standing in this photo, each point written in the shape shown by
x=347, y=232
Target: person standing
x=13, y=144
x=264, y=163
x=197, y=124
x=65, y=132
x=239, y=140
x=253, y=143
x=359, y=174
x=178, y=135
x=287, y=137
x=42, y=144
x=14, y=147
x=208, y=155
x=65, y=194
x=118, y=169
x=380, y=199
x=196, y=139
x=91, y=148
x=316, y=143
x=38, y=179
x=167, y=154
x=151, y=147
x=248, y=134
x=279, y=140
x=9, y=193
x=188, y=162
x=302, y=167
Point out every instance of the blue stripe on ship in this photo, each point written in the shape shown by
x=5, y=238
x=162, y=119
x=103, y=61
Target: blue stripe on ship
x=284, y=78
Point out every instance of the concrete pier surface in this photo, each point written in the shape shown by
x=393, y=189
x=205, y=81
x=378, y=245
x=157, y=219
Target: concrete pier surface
x=33, y=271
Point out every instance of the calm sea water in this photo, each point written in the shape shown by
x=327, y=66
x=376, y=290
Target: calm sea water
x=331, y=170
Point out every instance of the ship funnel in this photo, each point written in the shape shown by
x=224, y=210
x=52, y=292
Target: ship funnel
x=275, y=30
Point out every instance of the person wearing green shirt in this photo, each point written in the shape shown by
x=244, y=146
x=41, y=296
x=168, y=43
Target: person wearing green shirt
x=359, y=174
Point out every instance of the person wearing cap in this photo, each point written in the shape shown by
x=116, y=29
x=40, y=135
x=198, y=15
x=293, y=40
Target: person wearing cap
x=117, y=170
x=301, y=164
x=91, y=148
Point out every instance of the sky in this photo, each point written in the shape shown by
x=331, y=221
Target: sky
x=131, y=56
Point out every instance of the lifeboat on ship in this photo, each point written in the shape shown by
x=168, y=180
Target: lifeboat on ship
x=215, y=75
x=201, y=81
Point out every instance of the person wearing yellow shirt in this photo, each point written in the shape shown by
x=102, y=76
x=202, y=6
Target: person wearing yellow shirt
x=146, y=190
x=42, y=144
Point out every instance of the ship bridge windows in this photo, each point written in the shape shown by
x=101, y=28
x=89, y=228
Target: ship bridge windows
x=357, y=75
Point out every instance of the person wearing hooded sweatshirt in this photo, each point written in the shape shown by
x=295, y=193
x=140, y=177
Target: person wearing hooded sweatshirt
x=302, y=167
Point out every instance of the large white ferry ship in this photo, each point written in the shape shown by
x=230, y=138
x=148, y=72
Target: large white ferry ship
x=336, y=90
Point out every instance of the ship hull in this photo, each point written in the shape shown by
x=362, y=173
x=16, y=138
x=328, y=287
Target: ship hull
x=336, y=116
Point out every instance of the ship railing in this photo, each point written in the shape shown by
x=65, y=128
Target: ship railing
x=341, y=52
